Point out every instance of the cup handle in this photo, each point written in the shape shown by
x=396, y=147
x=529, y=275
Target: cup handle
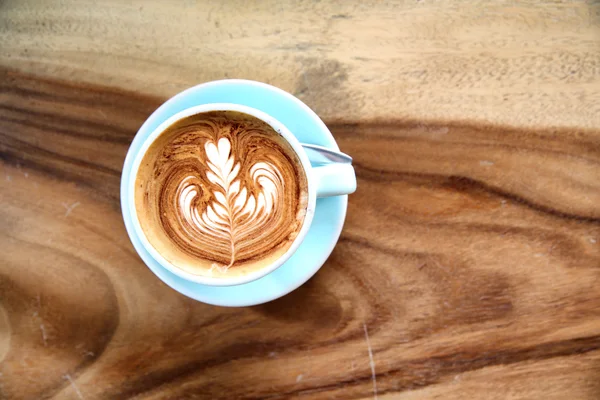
x=334, y=179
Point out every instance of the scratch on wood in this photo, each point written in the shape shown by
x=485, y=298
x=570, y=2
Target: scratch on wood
x=371, y=362
x=44, y=335
x=69, y=208
x=38, y=299
x=102, y=114
x=72, y=382
x=305, y=79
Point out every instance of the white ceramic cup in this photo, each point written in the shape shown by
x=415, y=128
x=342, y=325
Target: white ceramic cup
x=323, y=181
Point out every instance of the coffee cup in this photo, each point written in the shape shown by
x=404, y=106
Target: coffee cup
x=331, y=179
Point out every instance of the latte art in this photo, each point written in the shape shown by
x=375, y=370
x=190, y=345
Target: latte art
x=235, y=214
x=221, y=194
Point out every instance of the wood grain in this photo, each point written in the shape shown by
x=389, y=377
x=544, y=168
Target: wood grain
x=469, y=265
x=532, y=63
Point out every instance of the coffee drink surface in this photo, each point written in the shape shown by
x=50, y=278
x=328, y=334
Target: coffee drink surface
x=221, y=194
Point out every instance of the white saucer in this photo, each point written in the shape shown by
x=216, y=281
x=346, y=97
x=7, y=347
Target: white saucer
x=330, y=212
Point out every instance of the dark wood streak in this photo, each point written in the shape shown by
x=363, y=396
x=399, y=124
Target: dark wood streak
x=25, y=85
x=453, y=364
x=464, y=184
x=583, y=142
x=122, y=136
x=462, y=362
x=564, y=244
x=358, y=241
x=18, y=153
x=20, y=146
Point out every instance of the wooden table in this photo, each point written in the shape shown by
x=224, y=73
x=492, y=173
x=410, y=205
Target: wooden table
x=469, y=265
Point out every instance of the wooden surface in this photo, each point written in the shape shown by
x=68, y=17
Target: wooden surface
x=469, y=265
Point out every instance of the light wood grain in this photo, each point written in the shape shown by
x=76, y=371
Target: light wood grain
x=469, y=265
x=530, y=63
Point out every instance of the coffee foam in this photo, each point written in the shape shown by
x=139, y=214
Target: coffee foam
x=221, y=194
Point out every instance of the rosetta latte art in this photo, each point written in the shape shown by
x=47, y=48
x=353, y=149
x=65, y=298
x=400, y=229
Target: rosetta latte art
x=221, y=194
x=235, y=212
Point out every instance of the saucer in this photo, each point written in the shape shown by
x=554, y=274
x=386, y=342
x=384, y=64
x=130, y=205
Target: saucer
x=329, y=215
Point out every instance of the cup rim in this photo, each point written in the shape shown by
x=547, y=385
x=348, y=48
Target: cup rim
x=279, y=128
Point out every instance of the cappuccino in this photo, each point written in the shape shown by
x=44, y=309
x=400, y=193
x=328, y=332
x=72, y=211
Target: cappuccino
x=221, y=194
